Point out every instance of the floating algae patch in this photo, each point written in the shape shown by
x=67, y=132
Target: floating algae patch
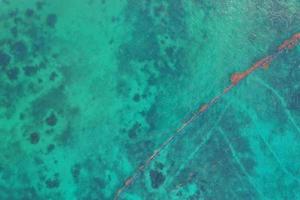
x=104, y=99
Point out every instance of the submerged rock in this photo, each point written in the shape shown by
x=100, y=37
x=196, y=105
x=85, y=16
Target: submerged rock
x=12, y=73
x=136, y=97
x=20, y=50
x=50, y=148
x=51, y=20
x=52, y=183
x=29, y=12
x=51, y=120
x=4, y=59
x=157, y=179
x=34, y=138
x=30, y=70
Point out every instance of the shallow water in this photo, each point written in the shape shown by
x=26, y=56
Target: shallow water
x=90, y=88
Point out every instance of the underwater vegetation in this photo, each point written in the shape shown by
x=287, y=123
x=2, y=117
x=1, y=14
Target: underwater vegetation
x=156, y=177
x=149, y=100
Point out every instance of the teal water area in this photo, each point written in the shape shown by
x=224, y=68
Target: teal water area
x=90, y=88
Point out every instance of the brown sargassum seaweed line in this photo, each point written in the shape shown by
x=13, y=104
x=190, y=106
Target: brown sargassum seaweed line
x=235, y=79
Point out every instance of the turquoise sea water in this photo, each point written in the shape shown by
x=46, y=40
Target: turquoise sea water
x=90, y=88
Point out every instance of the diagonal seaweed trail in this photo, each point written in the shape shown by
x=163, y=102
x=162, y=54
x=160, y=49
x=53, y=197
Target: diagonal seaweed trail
x=235, y=79
x=210, y=133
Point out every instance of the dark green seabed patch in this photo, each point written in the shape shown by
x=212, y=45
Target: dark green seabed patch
x=90, y=88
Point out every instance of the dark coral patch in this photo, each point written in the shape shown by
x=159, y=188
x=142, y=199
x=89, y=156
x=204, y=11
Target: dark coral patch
x=4, y=59
x=53, y=183
x=12, y=73
x=50, y=148
x=34, y=138
x=241, y=144
x=170, y=51
x=151, y=117
x=14, y=31
x=136, y=97
x=157, y=179
x=19, y=49
x=132, y=133
x=53, y=76
x=159, y=10
x=294, y=101
x=39, y=5
x=22, y=116
x=159, y=165
x=29, y=193
x=249, y=164
x=76, y=171
x=38, y=161
x=51, y=20
x=98, y=183
x=29, y=12
x=30, y=70
x=51, y=120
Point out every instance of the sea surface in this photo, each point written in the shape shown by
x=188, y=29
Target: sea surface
x=90, y=89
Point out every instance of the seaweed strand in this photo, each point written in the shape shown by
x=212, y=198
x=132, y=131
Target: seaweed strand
x=235, y=79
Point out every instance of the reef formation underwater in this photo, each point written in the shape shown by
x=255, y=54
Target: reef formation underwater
x=235, y=79
x=92, y=93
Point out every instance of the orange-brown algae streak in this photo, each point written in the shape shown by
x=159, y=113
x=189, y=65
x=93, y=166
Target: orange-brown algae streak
x=235, y=79
x=203, y=107
x=290, y=43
